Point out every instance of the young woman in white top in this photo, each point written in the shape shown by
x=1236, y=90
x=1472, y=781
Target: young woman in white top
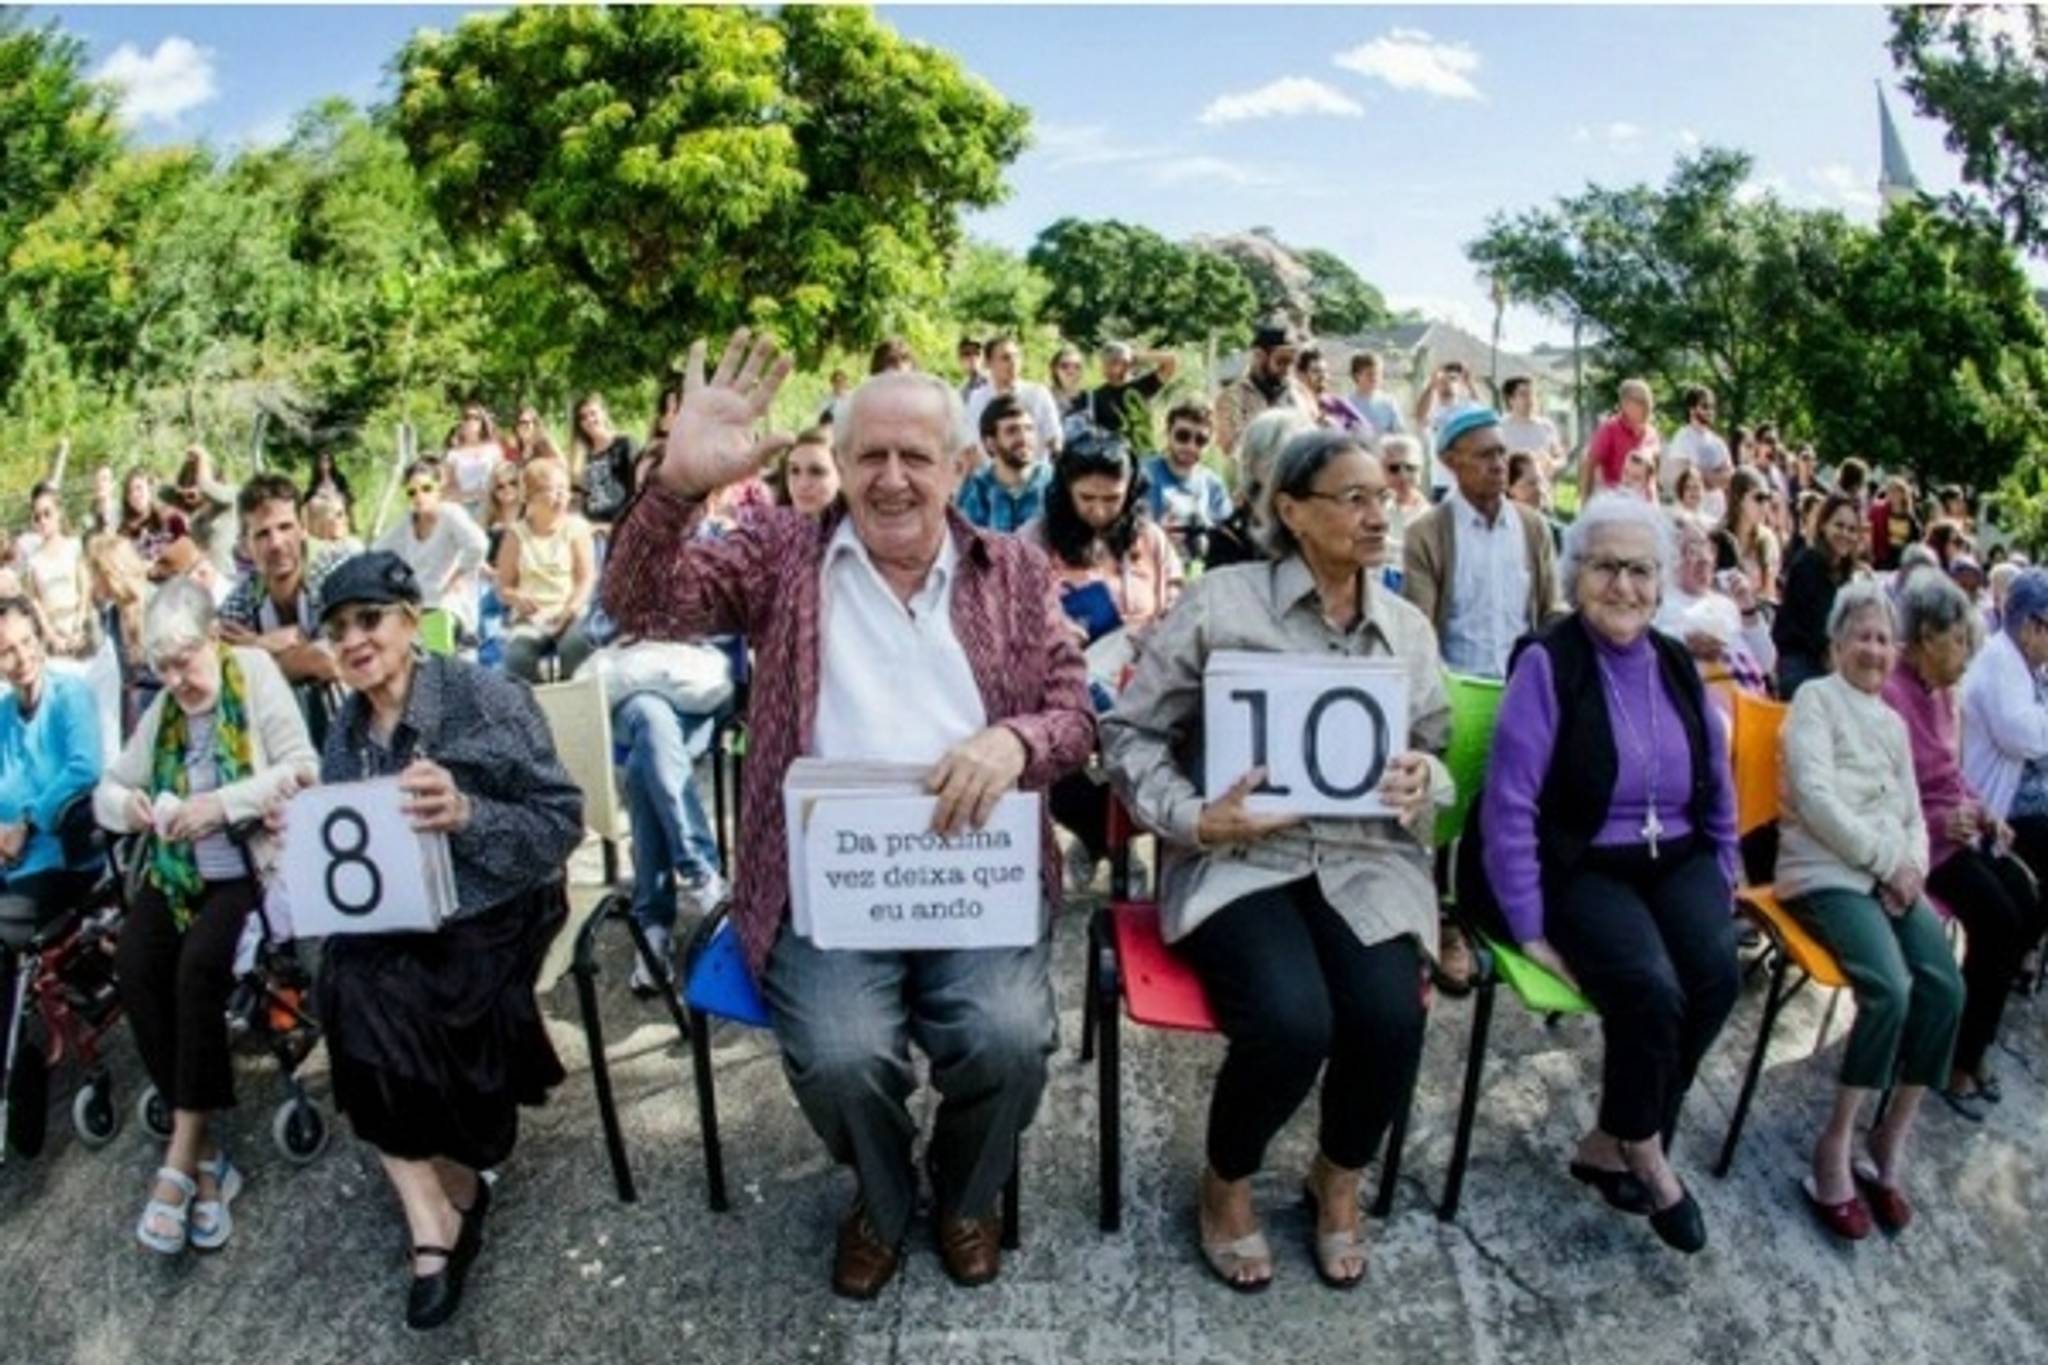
x=55, y=576
x=441, y=542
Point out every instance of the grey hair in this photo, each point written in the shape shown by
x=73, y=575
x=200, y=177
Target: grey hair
x=1853, y=600
x=930, y=385
x=1396, y=443
x=1300, y=460
x=1116, y=350
x=1918, y=555
x=1258, y=445
x=1933, y=605
x=1684, y=524
x=179, y=617
x=1607, y=511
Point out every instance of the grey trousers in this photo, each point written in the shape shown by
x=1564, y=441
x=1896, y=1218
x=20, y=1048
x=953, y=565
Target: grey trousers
x=846, y=1021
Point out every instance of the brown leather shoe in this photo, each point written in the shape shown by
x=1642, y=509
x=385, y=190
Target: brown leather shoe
x=972, y=1249
x=864, y=1264
x=1454, y=967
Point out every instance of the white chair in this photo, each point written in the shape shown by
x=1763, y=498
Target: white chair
x=581, y=720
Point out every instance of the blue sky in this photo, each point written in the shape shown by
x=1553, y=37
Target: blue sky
x=1384, y=134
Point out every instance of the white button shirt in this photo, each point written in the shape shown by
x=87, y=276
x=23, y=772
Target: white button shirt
x=894, y=684
x=1489, y=606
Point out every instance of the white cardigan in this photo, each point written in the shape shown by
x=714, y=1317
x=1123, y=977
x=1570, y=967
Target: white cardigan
x=1851, y=802
x=2003, y=722
x=279, y=751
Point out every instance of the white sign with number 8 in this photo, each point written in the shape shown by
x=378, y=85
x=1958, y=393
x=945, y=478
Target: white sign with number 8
x=1323, y=729
x=353, y=864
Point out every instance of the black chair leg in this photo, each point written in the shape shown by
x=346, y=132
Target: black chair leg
x=600, y=1075
x=611, y=861
x=718, y=798
x=1109, y=1113
x=707, y=1111
x=1468, y=1104
x=1098, y=935
x=1390, y=1158
x=1773, y=1002
x=1013, y=1234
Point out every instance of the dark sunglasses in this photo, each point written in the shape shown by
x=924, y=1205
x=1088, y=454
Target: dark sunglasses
x=1396, y=467
x=1189, y=436
x=364, y=619
x=415, y=488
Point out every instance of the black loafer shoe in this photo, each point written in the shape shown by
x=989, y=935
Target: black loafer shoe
x=434, y=1298
x=1619, y=1188
x=1681, y=1227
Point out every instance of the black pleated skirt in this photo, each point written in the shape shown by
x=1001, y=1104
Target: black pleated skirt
x=435, y=1040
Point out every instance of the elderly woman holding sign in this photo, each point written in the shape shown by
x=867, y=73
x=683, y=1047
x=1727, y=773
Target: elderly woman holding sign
x=1605, y=847
x=436, y=1038
x=890, y=630
x=1310, y=934
x=222, y=740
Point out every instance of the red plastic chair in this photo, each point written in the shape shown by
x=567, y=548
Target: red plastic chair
x=1129, y=963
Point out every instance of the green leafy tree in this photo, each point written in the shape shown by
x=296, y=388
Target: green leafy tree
x=991, y=286
x=640, y=176
x=1983, y=70
x=56, y=130
x=1341, y=302
x=1680, y=284
x=1110, y=280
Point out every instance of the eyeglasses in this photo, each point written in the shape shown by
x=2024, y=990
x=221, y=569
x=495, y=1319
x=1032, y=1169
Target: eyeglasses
x=1399, y=468
x=1068, y=365
x=364, y=619
x=1355, y=500
x=1640, y=573
x=415, y=489
x=1189, y=436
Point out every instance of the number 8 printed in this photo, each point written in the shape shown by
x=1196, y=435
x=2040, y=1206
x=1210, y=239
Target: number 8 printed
x=348, y=857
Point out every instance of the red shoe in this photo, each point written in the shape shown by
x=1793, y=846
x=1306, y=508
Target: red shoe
x=1849, y=1220
x=1888, y=1202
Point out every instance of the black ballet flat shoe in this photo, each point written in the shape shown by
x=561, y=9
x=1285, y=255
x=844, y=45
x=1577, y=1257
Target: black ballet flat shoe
x=1681, y=1227
x=434, y=1298
x=1621, y=1189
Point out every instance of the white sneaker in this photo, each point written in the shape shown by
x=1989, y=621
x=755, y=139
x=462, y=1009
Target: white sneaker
x=707, y=891
x=641, y=982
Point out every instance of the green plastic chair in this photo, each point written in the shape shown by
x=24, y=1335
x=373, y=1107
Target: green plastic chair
x=437, y=632
x=1475, y=713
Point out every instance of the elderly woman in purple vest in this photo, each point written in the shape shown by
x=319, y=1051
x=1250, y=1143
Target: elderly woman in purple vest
x=1608, y=845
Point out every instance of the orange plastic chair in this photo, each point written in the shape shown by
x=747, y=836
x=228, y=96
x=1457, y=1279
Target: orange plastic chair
x=1129, y=963
x=1755, y=750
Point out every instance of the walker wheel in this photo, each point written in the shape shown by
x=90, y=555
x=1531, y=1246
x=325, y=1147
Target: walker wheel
x=93, y=1113
x=300, y=1130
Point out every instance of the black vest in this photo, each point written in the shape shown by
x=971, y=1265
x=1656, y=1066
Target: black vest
x=1584, y=762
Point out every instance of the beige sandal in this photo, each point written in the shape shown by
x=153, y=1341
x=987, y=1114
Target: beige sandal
x=1331, y=1249
x=1250, y=1252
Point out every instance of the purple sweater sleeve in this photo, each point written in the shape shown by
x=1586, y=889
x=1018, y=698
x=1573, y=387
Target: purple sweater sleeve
x=1515, y=770
x=1721, y=813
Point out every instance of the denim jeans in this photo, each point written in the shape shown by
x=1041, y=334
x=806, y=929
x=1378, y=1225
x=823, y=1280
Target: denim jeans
x=671, y=831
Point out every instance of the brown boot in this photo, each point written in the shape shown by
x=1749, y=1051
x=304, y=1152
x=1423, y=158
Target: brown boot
x=972, y=1249
x=864, y=1264
x=1454, y=968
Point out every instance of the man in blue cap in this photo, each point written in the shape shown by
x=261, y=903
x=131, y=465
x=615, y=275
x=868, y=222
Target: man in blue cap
x=1482, y=569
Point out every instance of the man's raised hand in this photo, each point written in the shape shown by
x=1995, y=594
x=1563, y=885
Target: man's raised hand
x=713, y=440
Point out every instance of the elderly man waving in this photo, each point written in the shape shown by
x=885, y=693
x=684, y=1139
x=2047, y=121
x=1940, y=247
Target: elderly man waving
x=891, y=630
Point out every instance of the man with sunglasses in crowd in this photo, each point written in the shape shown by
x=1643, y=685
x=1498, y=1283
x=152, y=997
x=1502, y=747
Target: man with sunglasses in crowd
x=1186, y=496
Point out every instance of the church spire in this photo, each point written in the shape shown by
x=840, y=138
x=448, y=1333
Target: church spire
x=1896, y=182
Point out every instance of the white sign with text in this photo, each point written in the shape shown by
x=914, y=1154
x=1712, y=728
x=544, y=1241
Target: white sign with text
x=867, y=873
x=1323, y=728
x=353, y=864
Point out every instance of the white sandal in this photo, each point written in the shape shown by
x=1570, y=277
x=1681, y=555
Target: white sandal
x=212, y=1224
x=158, y=1214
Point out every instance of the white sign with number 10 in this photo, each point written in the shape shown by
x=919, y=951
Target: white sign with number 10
x=1323, y=728
x=353, y=864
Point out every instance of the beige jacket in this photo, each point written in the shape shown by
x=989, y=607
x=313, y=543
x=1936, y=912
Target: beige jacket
x=279, y=751
x=1429, y=553
x=1851, y=802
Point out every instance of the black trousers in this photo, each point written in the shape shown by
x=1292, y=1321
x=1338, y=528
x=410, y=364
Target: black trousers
x=1082, y=807
x=1652, y=943
x=2003, y=920
x=1293, y=988
x=175, y=987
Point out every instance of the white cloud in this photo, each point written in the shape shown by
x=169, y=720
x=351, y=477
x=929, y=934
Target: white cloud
x=1688, y=139
x=1843, y=187
x=1288, y=97
x=1409, y=59
x=1067, y=145
x=1753, y=189
x=1622, y=134
x=157, y=87
x=1206, y=170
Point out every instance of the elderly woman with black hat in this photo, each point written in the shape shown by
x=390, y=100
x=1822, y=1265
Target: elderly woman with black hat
x=436, y=1039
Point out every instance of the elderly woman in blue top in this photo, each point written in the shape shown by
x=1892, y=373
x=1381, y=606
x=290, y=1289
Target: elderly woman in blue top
x=49, y=758
x=1608, y=830
x=436, y=1039
x=2004, y=706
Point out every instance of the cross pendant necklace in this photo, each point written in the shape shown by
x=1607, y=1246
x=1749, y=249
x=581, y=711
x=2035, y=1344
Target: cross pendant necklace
x=1653, y=827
